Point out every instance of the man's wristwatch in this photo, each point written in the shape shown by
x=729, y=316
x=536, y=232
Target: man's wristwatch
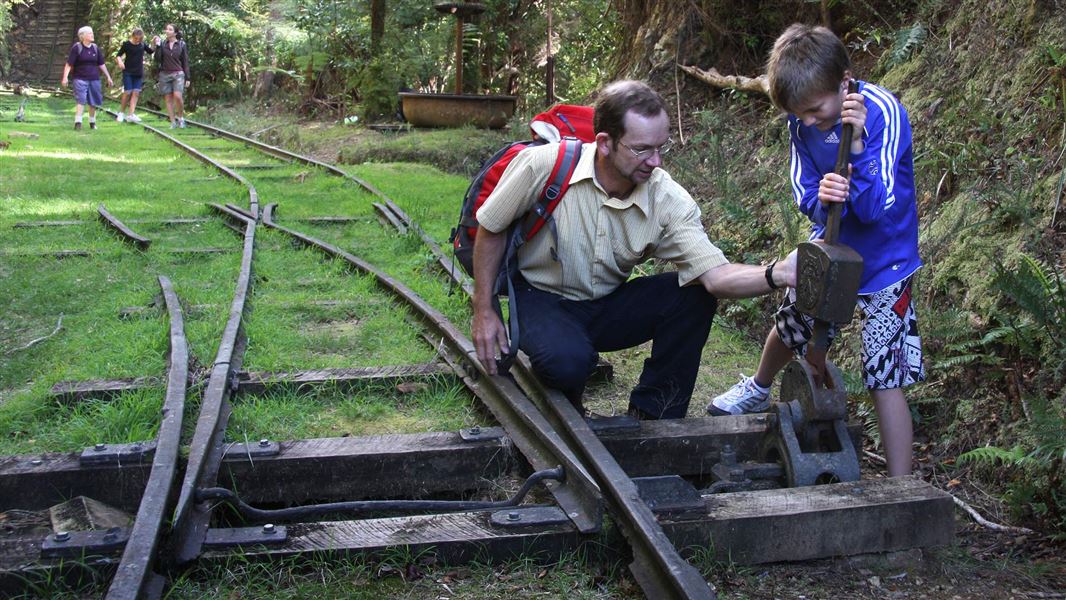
x=770, y=275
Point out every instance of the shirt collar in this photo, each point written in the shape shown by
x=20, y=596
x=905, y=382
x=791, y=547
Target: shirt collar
x=586, y=169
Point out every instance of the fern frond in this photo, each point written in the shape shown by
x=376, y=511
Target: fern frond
x=991, y=455
x=959, y=360
x=904, y=44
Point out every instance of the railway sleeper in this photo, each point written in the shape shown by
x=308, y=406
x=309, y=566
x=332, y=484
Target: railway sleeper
x=756, y=527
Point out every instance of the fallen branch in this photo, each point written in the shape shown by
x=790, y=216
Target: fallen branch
x=59, y=325
x=875, y=457
x=262, y=131
x=713, y=78
x=985, y=522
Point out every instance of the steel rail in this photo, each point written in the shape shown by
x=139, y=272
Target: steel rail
x=127, y=234
x=282, y=153
x=446, y=263
x=205, y=452
x=539, y=443
x=253, y=196
x=658, y=567
x=191, y=519
x=134, y=575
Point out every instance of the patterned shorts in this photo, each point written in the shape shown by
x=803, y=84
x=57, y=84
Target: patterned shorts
x=891, y=346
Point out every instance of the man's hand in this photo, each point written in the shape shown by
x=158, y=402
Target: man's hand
x=110, y=83
x=833, y=188
x=121, y=65
x=490, y=338
x=853, y=112
x=63, y=82
x=187, y=82
x=785, y=270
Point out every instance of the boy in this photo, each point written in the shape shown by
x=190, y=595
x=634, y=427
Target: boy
x=808, y=74
x=133, y=74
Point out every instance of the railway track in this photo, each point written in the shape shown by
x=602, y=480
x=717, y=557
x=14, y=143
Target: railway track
x=257, y=499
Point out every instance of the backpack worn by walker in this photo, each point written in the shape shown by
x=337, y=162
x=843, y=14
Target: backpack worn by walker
x=569, y=125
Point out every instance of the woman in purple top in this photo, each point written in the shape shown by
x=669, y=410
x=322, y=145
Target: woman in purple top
x=87, y=62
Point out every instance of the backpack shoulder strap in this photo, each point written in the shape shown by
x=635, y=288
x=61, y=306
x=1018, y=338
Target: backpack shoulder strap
x=556, y=186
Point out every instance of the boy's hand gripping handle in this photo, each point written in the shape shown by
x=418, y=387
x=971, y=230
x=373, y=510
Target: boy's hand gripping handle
x=832, y=226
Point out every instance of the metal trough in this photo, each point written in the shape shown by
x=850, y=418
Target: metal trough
x=452, y=110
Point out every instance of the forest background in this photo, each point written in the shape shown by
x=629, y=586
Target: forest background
x=984, y=83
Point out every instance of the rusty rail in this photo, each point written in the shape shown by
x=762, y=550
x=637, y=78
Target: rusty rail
x=191, y=519
x=134, y=576
x=579, y=496
x=657, y=566
x=127, y=234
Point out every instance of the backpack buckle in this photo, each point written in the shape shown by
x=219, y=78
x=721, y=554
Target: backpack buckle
x=552, y=192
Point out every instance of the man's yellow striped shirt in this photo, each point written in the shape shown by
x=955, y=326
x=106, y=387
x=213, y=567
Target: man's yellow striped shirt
x=601, y=239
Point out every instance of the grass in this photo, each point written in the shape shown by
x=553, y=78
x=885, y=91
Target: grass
x=307, y=312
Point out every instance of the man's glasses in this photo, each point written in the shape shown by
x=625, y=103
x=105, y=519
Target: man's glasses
x=647, y=152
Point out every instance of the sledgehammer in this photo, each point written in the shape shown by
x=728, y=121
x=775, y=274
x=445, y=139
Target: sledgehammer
x=828, y=273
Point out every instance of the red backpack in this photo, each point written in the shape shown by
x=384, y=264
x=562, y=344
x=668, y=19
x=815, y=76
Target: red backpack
x=565, y=123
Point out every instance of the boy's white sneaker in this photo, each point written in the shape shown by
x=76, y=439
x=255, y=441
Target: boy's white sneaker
x=120, y=118
x=744, y=397
x=173, y=124
x=181, y=123
x=133, y=119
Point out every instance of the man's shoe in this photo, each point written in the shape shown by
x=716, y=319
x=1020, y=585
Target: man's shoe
x=133, y=119
x=173, y=124
x=120, y=118
x=77, y=126
x=744, y=397
x=92, y=124
x=181, y=123
x=640, y=415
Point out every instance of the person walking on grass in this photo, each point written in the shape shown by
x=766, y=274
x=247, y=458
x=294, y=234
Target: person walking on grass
x=809, y=71
x=86, y=62
x=173, y=73
x=132, y=69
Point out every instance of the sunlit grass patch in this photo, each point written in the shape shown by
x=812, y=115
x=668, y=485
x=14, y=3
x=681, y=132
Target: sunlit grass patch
x=59, y=427
x=368, y=409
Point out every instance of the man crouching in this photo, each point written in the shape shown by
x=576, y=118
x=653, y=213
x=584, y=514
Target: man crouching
x=573, y=291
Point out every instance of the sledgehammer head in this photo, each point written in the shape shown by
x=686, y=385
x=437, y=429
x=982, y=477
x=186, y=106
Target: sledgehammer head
x=827, y=280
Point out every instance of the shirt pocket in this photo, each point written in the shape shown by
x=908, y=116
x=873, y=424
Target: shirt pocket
x=630, y=250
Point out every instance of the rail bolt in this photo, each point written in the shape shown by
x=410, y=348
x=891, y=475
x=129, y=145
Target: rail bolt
x=513, y=516
x=475, y=430
x=263, y=443
x=61, y=536
x=100, y=447
x=269, y=529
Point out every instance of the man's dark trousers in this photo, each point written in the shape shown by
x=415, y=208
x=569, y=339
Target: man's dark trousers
x=562, y=337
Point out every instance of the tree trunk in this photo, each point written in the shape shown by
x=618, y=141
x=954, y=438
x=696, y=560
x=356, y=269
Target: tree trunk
x=264, y=83
x=377, y=24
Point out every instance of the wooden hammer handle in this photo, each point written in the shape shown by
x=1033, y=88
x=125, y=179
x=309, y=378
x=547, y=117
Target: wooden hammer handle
x=832, y=226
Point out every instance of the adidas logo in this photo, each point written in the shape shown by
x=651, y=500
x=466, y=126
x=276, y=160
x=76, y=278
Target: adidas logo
x=832, y=138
